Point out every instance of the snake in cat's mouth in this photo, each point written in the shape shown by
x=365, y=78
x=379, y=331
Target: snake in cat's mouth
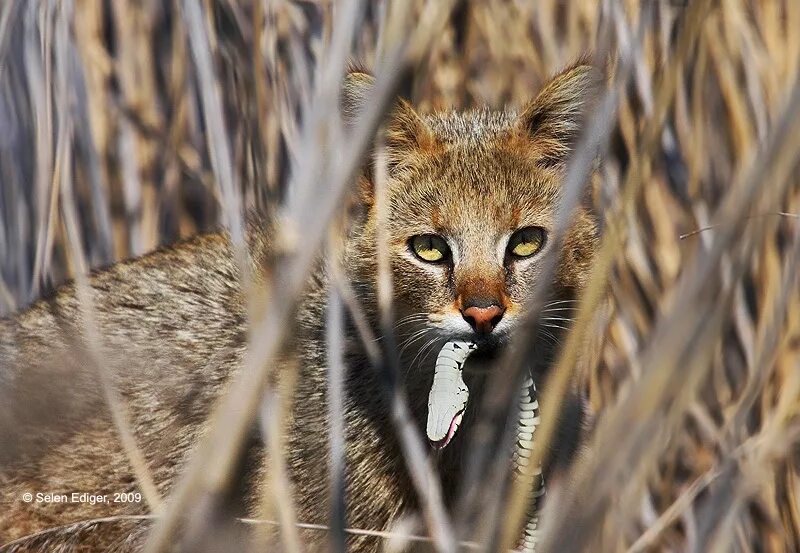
x=447, y=402
x=448, y=397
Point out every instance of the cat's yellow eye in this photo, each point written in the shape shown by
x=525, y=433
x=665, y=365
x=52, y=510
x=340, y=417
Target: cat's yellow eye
x=430, y=248
x=526, y=242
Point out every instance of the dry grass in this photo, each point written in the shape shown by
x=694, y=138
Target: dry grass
x=126, y=124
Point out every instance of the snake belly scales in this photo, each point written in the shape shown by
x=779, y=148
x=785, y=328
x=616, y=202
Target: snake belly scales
x=447, y=401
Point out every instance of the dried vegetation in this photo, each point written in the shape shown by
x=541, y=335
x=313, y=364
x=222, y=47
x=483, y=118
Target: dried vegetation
x=125, y=125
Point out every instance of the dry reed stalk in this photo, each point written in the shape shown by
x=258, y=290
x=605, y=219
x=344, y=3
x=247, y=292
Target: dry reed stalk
x=211, y=464
x=144, y=166
x=336, y=370
x=419, y=466
x=577, y=174
x=92, y=336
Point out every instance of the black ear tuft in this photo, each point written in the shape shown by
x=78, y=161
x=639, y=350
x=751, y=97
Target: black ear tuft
x=554, y=118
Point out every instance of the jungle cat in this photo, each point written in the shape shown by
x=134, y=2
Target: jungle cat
x=472, y=199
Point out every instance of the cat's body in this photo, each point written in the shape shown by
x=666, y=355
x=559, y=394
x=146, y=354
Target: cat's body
x=468, y=195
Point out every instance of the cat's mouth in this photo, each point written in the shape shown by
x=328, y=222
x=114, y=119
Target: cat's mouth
x=487, y=351
x=488, y=346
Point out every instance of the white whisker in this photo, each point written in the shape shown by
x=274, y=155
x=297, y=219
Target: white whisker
x=566, y=319
x=416, y=336
x=554, y=326
x=421, y=350
x=559, y=302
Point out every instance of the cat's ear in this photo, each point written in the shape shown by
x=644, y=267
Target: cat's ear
x=406, y=132
x=406, y=135
x=554, y=118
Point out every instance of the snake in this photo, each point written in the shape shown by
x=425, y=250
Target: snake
x=447, y=402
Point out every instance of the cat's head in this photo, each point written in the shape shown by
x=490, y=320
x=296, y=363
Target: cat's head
x=472, y=200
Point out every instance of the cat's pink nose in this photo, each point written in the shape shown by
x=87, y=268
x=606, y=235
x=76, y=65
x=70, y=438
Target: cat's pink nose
x=483, y=319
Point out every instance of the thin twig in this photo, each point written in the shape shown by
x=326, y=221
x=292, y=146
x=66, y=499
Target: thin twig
x=300, y=525
x=711, y=227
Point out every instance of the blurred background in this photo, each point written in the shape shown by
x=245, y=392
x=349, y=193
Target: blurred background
x=697, y=410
